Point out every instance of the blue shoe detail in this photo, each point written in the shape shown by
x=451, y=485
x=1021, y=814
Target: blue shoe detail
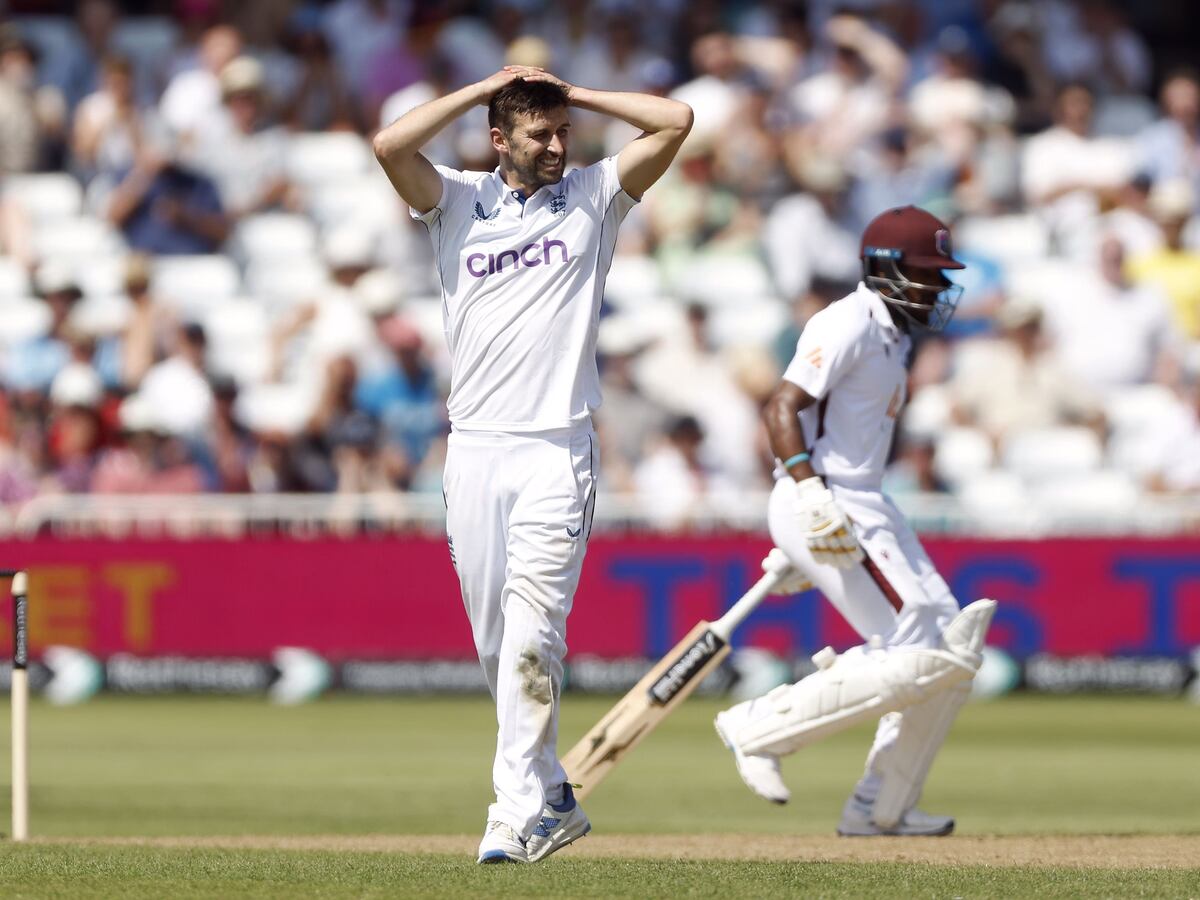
x=546, y=826
x=495, y=856
x=568, y=800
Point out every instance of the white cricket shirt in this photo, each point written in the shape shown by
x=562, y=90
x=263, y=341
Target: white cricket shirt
x=521, y=291
x=851, y=357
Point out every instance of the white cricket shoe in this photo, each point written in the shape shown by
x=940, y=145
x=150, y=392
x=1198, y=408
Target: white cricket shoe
x=856, y=822
x=561, y=824
x=760, y=771
x=501, y=844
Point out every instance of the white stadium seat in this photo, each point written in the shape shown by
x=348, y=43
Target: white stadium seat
x=22, y=320
x=720, y=280
x=192, y=284
x=45, y=198
x=273, y=236
x=282, y=283
x=70, y=239
x=1007, y=239
x=239, y=340
x=317, y=158
x=752, y=323
x=1094, y=493
x=632, y=280
x=961, y=454
x=14, y=280
x=367, y=200
x=100, y=315
x=1049, y=453
x=279, y=407
x=994, y=493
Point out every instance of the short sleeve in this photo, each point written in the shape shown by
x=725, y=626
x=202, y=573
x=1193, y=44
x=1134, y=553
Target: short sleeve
x=602, y=186
x=457, y=189
x=824, y=353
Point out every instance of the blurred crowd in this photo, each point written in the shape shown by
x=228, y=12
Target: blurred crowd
x=207, y=285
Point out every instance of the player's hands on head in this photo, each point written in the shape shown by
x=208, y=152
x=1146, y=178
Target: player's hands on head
x=494, y=83
x=536, y=73
x=831, y=538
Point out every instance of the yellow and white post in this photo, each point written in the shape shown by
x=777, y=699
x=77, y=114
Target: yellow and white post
x=20, y=709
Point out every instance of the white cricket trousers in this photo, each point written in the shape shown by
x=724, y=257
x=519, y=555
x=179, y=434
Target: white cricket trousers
x=895, y=595
x=518, y=514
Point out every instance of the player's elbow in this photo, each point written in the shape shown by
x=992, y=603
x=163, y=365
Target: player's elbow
x=684, y=117
x=381, y=145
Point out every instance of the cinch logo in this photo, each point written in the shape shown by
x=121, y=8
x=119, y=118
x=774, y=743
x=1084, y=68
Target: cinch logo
x=480, y=265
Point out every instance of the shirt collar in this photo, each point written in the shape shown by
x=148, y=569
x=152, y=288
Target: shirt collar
x=879, y=311
x=507, y=194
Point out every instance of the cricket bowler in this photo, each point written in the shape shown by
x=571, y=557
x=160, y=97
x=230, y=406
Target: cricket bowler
x=830, y=423
x=522, y=253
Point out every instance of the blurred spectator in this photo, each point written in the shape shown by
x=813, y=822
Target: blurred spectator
x=110, y=129
x=1167, y=149
x=192, y=101
x=851, y=99
x=176, y=392
x=1018, y=65
x=231, y=443
x=151, y=326
x=627, y=420
x=1173, y=267
x=898, y=173
x=149, y=461
x=78, y=73
x=32, y=365
x=75, y=433
x=1108, y=332
x=1013, y=384
x=1090, y=41
x=338, y=442
x=1066, y=171
x=808, y=234
x=402, y=396
x=912, y=471
x=435, y=83
x=163, y=206
x=391, y=69
x=319, y=98
x=244, y=156
x=28, y=115
x=1131, y=220
x=672, y=480
x=720, y=82
x=1173, y=465
x=358, y=30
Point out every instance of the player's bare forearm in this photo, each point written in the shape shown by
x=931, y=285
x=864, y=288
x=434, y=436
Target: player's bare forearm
x=398, y=146
x=664, y=123
x=652, y=114
x=781, y=416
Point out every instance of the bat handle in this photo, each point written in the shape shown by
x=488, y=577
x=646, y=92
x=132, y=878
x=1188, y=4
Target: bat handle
x=736, y=614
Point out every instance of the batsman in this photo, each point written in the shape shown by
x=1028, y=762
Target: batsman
x=522, y=253
x=830, y=423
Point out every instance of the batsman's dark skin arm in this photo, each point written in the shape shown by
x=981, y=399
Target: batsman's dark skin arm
x=781, y=416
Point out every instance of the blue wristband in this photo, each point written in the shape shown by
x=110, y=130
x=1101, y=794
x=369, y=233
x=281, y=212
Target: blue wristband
x=798, y=458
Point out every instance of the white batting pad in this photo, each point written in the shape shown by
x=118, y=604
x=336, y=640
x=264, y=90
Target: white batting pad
x=863, y=684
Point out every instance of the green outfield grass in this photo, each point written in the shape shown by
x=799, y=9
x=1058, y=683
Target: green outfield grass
x=206, y=766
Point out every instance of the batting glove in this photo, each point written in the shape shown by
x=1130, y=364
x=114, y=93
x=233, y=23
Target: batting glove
x=830, y=537
x=791, y=580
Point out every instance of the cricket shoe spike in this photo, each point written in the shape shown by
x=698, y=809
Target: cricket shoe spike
x=760, y=771
x=501, y=844
x=857, y=822
x=561, y=824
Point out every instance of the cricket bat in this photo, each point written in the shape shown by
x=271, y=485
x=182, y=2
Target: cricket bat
x=665, y=686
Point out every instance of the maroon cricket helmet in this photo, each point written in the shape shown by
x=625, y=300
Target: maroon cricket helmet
x=909, y=236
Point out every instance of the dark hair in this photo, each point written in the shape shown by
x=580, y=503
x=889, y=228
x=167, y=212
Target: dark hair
x=523, y=98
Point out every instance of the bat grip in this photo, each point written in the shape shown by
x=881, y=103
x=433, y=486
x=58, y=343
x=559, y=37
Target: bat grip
x=736, y=614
